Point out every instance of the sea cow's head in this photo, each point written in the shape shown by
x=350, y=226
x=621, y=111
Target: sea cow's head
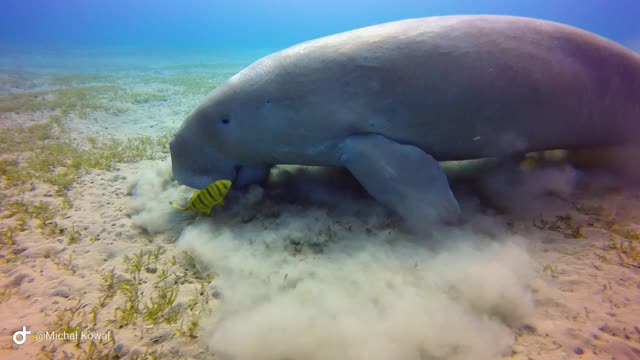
x=221, y=139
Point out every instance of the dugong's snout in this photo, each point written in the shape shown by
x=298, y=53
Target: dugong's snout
x=198, y=165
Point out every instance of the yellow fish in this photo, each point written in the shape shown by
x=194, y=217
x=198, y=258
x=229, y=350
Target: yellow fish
x=203, y=201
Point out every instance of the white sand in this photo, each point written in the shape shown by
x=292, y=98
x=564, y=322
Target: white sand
x=309, y=268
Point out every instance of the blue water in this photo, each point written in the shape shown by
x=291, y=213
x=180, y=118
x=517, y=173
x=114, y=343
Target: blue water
x=268, y=24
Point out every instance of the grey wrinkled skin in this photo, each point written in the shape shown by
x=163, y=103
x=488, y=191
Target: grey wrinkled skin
x=454, y=87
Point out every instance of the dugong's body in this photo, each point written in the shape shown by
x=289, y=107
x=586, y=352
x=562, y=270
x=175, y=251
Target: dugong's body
x=388, y=101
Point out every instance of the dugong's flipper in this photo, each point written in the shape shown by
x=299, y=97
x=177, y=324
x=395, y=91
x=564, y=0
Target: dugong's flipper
x=402, y=177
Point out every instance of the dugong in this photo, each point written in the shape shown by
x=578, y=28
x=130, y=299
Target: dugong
x=389, y=101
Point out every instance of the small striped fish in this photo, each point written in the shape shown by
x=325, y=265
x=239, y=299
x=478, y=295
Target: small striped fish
x=203, y=201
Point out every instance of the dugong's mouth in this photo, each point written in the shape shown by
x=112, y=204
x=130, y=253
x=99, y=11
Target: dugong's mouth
x=243, y=176
x=200, y=166
x=247, y=175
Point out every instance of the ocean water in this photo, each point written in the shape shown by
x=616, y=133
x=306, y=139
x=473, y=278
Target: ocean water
x=97, y=264
x=265, y=24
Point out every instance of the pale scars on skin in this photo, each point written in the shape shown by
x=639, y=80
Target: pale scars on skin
x=388, y=102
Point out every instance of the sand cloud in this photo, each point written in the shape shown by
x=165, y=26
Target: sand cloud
x=152, y=191
x=309, y=278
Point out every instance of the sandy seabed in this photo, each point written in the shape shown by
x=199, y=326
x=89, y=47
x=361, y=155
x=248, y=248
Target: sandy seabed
x=308, y=266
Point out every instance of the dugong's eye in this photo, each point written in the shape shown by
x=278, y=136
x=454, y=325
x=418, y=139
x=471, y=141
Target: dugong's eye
x=225, y=121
